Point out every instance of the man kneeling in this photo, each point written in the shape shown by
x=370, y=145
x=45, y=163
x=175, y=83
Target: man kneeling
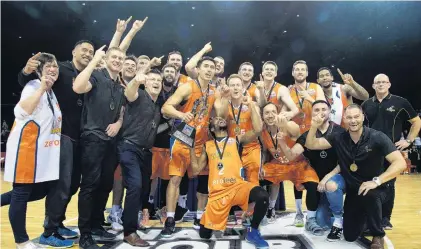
x=227, y=186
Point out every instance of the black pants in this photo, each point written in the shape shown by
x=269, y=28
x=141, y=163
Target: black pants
x=99, y=161
x=18, y=199
x=136, y=167
x=67, y=185
x=388, y=205
x=360, y=210
x=261, y=199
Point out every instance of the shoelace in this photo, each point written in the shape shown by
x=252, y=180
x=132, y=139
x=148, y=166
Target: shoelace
x=58, y=236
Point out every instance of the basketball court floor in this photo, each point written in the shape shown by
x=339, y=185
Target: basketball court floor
x=406, y=233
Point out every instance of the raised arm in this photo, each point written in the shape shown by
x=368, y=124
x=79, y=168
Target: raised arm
x=285, y=97
x=169, y=108
x=290, y=153
x=314, y=143
x=137, y=26
x=28, y=72
x=120, y=28
x=31, y=96
x=352, y=88
x=131, y=91
x=82, y=83
x=198, y=163
x=192, y=63
x=260, y=92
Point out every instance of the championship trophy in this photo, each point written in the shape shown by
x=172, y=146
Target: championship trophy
x=184, y=132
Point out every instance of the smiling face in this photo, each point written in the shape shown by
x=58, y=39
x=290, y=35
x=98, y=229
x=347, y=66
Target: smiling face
x=269, y=114
x=269, y=72
x=219, y=65
x=129, y=69
x=354, y=118
x=176, y=60
x=153, y=83
x=246, y=72
x=83, y=53
x=322, y=110
x=324, y=78
x=114, y=60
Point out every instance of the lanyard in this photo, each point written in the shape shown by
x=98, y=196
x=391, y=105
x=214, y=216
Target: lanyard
x=301, y=101
x=223, y=149
x=270, y=91
x=236, y=119
x=276, y=138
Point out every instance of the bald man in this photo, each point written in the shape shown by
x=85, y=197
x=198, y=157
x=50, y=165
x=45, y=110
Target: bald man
x=387, y=112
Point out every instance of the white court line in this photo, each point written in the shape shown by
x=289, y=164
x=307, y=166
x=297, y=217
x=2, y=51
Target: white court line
x=70, y=220
x=388, y=243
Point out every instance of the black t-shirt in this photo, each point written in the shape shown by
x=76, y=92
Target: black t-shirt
x=141, y=121
x=102, y=104
x=368, y=154
x=162, y=139
x=322, y=161
x=389, y=115
x=71, y=103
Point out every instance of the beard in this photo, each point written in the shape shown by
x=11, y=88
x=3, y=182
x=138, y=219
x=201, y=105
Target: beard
x=327, y=86
x=167, y=82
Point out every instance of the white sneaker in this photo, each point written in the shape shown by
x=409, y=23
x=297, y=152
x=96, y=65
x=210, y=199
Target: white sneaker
x=27, y=245
x=116, y=222
x=116, y=226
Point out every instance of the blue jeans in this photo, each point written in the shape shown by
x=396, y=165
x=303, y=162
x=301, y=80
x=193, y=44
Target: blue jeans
x=331, y=203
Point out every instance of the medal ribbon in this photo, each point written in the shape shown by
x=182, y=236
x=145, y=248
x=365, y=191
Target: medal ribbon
x=236, y=119
x=245, y=91
x=270, y=91
x=301, y=100
x=223, y=150
x=276, y=138
x=205, y=98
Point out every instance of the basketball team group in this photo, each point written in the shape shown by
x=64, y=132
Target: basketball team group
x=107, y=122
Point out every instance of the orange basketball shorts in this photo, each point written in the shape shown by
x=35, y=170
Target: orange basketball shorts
x=217, y=211
x=160, y=163
x=296, y=172
x=180, y=159
x=252, y=158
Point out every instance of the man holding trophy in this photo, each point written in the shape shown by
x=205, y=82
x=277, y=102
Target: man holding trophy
x=192, y=103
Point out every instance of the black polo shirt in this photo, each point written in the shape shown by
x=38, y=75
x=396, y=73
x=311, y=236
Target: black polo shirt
x=97, y=113
x=162, y=139
x=322, y=161
x=141, y=121
x=369, y=155
x=71, y=103
x=389, y=115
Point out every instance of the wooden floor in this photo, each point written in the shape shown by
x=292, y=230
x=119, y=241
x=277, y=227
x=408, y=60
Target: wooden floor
x=406, y=233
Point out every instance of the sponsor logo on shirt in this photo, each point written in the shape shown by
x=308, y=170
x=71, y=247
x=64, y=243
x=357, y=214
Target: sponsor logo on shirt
x=391, y=109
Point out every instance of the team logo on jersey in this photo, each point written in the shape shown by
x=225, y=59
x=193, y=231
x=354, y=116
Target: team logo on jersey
x=311, y=91
x=391, y=109
x=323, y=154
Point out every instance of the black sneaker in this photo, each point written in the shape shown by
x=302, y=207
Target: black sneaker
x=335, y=234
x=196, y=224
x=386, y=224
x=102, y=234
x=180, y=213
x=87, y=242
x=106, y=224
x=169, y=228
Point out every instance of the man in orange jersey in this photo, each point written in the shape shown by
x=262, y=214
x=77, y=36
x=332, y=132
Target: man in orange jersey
x=339, y=96
x=273, y=91
x=180, y=106
x=246, y=71
x=244, y=116
x=303, y=94
x=227, y=186
x=277, y=130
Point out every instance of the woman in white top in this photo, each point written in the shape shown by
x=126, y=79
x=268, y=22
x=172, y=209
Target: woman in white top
x=33, y=147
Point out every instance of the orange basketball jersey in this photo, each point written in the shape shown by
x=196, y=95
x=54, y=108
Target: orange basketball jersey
x=271, y=94
x=303, y=118
x=277, y=153
x=244, y=123
x=201, y=121
x=251, y=91
x=183, y=79
x=224, y=174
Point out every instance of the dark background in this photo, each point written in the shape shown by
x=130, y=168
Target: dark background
x=361, y=38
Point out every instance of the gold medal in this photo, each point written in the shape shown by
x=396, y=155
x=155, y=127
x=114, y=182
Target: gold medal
x=301, y=115
x=237, y=130
x=353, y=167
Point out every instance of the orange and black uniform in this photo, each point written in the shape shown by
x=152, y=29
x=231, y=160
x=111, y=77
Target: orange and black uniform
x=180, y=157
x=280, y=168
x=303, y=118
x=228, y=188
x=238, y=124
